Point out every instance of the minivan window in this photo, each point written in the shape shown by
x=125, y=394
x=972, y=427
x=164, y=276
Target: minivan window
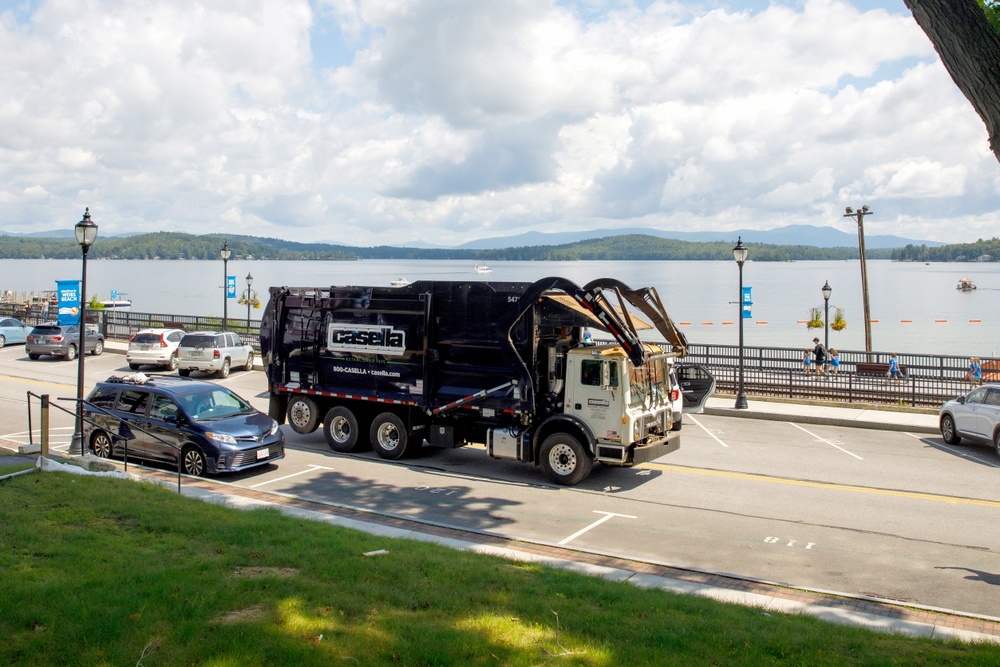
x=104, y=397
x=133, y=401
x=162, y=408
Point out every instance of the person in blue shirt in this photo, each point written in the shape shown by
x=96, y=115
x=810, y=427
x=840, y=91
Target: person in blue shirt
x=806, y=360
x=588, y=340
x=975, y=374
x=834, y=361
x=894, y=372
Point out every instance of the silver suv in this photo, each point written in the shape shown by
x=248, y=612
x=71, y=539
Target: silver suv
x=154, y=347
x=61, y=340
x=975, y=416
x=213, y=352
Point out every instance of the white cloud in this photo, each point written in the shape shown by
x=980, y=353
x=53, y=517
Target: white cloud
x=448, y=120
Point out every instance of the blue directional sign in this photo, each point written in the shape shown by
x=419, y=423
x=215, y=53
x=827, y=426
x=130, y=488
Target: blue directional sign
x=230, y=287
x=747, y=302
x=114, y=295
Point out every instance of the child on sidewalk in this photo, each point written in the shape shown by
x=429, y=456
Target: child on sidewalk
x=834, y=361
x=894, y=372
x=807, y=361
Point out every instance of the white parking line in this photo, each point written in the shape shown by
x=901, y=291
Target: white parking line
x=607, y=515
x=702, y=427
x=313, y=468
x=959, y=452
x=827, y=441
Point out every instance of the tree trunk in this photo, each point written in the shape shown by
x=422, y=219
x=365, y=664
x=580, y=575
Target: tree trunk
x=970, y=50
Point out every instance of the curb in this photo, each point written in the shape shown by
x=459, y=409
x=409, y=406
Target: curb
x=817, y=419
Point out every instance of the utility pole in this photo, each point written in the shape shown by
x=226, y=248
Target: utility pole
x=860, y=215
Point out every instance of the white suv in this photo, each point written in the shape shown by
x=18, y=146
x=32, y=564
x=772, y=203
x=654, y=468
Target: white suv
x=154, y=347
x=213, y=352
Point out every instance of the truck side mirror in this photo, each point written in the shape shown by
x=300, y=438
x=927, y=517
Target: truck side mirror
x=605, y=376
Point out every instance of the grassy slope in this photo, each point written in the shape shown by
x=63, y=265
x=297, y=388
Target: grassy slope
x=96, y=571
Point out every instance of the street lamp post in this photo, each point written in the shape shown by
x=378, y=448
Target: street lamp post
x=860, y=215
x=86, y=234
x=827, y=291
x=225, y=253
x=740, y=255
x=249, y=299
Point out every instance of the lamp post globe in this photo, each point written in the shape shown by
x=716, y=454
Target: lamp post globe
x=225, y=253
x=86, y=234
x=740, y=252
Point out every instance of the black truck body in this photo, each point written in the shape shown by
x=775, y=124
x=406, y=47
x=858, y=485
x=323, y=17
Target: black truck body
x=500, y=364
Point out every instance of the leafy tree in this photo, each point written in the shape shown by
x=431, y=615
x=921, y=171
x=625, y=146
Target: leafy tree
x=965, y=35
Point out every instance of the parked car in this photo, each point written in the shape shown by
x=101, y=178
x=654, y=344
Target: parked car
x=975, y=416
x=154, y=347
x=211, y=428
x=61, y=340
x=13, y=331
x=213, y=352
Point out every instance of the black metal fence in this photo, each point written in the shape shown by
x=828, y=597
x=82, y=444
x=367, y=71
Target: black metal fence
x=929, y=380
x=774, y=372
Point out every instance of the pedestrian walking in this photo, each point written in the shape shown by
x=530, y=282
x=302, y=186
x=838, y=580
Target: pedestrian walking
x=894, y=373
x=806, y=360
x=834, y=361
x=819, y=354
x=975, y=374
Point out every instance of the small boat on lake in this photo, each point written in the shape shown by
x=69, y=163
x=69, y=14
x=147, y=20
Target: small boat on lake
x=399, y=282
x=966, y=285
x=482, y=268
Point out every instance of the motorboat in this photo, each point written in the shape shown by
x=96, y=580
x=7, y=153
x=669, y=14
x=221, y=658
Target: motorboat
x=482, y=268
x=966, y=285
x=117, y=304
x=399, y=282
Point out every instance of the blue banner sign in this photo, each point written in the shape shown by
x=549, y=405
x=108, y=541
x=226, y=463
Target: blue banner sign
x=747, y=302
x=230, y=287
x=69, y=301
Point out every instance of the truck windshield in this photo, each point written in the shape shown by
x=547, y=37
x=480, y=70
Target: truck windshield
x=648, y=384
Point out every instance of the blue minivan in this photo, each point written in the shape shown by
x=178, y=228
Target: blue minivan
x=211, y=428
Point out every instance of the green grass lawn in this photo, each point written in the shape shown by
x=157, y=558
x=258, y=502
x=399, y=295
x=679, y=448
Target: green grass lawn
x=10, y=469
x=111, y=572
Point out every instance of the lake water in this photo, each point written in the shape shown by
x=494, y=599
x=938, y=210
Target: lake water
x=917, y=306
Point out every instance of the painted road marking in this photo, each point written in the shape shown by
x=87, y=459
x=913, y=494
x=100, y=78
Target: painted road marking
x=702, y=427
x=916, y=495
x=832, y=444
x=313, y=468
x=958, y=452
x=606, y=517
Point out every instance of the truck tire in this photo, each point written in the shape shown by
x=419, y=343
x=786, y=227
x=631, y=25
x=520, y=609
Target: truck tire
x=389, y=436
x=564, y=460
x=341, y=429
x=303, y=414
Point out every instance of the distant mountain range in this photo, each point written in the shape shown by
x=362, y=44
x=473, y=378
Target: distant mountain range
x=805, y=235
x=794, y=235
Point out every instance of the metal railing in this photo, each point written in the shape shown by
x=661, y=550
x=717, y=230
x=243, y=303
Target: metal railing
x=776, y=372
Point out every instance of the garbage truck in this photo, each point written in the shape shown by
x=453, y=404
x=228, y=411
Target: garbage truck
x=506, y=365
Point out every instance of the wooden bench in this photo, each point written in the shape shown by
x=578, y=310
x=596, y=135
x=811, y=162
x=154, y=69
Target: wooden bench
x=867, y=368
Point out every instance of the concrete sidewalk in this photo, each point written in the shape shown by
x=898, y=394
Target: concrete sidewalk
x=825, y=413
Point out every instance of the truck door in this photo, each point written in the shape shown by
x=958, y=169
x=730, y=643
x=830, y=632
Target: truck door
x=594, y=392
x=696, y=384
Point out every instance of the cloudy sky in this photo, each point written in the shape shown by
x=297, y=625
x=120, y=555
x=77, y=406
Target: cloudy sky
x=370, y=122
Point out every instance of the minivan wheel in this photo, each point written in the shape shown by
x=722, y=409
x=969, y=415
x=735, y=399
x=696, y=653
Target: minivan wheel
x=193, y=461
x=71, y=352
x=948, y=431
x=101, y=444
x=224, y=371
x=996, y=443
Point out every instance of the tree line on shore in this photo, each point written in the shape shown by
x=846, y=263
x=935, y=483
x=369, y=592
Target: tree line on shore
x=176, y=245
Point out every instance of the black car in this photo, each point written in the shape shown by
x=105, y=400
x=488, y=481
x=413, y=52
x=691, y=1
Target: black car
x=209, y=426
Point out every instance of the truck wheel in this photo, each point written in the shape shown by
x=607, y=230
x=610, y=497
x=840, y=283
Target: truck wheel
x=340, y=427
x=303, y=414
x=564, y=460
x=224, y=371
x=388, y=435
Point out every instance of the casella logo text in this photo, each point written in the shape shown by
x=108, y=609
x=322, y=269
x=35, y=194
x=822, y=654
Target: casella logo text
x=371, y=338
